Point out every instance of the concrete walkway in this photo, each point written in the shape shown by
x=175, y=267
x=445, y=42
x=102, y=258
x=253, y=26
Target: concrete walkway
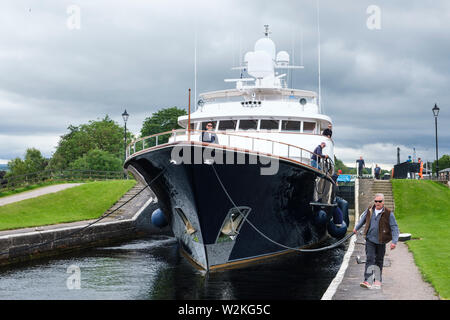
x=402, y=279
x=36, y=193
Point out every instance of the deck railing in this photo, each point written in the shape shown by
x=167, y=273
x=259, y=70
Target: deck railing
x=234, y=141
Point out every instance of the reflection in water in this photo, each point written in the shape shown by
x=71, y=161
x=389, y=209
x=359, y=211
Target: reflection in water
x=152, y=268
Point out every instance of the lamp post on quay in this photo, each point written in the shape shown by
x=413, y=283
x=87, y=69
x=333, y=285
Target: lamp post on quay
x=436, y=113
x=125, y=116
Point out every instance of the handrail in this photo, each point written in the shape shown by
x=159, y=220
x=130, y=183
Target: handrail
x=325, y=163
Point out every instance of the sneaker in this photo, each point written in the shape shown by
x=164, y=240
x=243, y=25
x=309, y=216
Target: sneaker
x=376, y=285
x=365, y=284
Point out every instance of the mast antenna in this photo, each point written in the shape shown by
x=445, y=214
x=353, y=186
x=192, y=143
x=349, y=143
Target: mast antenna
x=266, y=30
x=195, y=68
x=318, y=54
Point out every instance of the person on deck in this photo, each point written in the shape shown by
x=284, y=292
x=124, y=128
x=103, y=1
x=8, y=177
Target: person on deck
x=328, y=132
x=318, y=154
x=208, y=135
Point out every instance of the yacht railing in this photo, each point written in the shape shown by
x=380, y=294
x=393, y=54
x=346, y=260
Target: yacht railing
x=233, y=141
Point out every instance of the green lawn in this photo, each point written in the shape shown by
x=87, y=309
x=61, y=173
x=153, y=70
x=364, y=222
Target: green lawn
x=87, y=201
x=422, y=208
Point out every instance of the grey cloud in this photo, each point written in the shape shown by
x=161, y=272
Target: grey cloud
x=378, y=86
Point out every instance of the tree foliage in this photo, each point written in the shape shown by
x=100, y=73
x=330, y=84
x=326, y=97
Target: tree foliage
x=444, y=162
x=98, y=160
x=162, y=121
x=33, y=162
x=104, y=134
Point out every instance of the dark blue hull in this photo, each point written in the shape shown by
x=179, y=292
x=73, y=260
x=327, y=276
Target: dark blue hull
x=211, y=230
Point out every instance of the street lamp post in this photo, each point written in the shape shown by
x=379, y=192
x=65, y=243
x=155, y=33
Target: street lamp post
x=125, y=116
x=436, y=113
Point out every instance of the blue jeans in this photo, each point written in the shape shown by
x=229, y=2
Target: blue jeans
x=314, y=164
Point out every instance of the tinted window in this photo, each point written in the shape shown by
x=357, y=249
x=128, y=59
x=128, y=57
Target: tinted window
x=248, y=124
x=308, y=127
x=227, y=124
x=269, y=124
x=287, y=125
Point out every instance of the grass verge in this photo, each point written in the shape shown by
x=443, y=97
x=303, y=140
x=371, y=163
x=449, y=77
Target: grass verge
x=35, y=186
x=422, y=208
x=87, y=201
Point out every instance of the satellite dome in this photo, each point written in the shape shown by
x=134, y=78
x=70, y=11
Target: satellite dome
x=283, y=58
x=266, y=45
x=247, y=57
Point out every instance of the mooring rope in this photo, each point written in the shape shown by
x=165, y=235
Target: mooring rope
x=90, y=224
x=268, y=238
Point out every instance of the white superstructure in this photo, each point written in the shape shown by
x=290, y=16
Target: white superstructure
x=262, y=106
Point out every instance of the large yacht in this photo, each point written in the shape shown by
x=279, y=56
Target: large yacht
x=245, y=188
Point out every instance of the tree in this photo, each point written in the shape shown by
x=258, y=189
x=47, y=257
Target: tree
x=98, y=160
x=162, y=121
x=104, y=134
x=339, y=165
x=33, y=162
x=444, y=162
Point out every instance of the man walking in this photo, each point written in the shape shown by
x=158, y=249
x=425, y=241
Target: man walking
x=377, y=172
x=381, y=227
x=361, y=165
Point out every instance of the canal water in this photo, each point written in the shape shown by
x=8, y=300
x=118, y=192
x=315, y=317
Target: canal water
x=152, y=268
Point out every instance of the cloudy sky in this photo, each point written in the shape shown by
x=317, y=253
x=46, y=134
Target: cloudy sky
x=378, y=85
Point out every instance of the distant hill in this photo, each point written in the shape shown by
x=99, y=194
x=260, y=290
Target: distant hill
x=4, y=167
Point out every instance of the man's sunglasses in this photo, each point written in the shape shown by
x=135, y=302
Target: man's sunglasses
x=379, y=201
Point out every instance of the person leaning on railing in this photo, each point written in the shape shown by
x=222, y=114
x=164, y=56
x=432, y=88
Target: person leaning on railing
x=318, y=153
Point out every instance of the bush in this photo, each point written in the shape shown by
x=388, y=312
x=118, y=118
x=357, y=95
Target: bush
x=97, y=160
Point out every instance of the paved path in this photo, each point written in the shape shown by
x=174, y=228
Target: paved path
x=36, y=193
x=402, y=279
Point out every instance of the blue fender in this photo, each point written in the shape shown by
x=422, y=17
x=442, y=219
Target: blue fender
x=159, y=219
x=320, y=218
x=337, y=231
x=343, y=205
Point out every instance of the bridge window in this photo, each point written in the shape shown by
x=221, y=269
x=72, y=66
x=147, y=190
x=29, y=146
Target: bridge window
x=227, y=124
x=269, y=124
x=309, y=127
x=248, y=124
x=287, y=125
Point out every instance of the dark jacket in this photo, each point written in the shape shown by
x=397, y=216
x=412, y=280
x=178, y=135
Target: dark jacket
x=317, y=152
x=327, y=132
